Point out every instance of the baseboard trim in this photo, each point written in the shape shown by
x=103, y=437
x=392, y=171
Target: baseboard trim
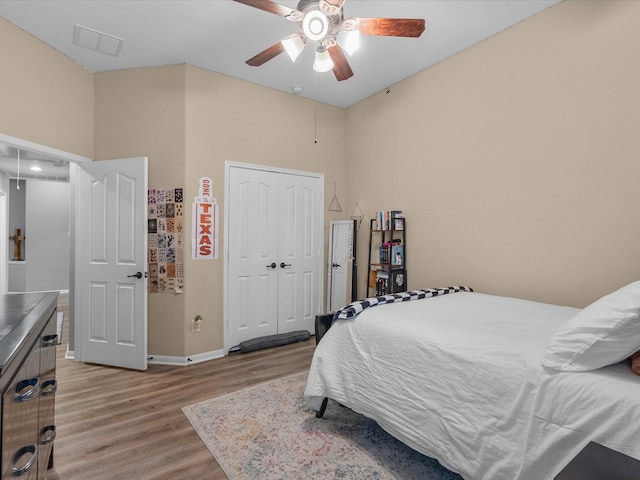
x=165, y=360
x=184, y=361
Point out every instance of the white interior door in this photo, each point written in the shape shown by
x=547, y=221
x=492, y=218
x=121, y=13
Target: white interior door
x=274, y=252
x=340, y=258
x=111, y=259
x=300, y=239
x=252, y=246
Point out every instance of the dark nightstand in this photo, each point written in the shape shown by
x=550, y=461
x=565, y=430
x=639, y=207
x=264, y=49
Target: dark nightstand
x=597, y=462
x=323, y=322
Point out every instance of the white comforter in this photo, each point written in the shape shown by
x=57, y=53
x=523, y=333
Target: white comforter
x=459, y=378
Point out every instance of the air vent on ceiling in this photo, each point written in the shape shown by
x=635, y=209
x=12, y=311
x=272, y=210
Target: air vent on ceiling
x=98, y=41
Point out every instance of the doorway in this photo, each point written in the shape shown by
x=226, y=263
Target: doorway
x=273, y=251
x=39, y=243
x=8, y=169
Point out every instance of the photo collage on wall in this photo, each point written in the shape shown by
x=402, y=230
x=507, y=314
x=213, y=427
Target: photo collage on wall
x=166, y=240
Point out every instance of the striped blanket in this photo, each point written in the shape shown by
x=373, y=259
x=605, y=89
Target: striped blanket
x=356, y=308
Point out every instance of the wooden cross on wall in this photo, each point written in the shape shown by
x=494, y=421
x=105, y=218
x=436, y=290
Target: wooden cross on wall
x=17, y=244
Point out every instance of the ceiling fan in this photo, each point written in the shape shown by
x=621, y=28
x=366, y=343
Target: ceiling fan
x=322, y=21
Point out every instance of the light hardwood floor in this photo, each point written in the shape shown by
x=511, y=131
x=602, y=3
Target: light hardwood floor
x=122, y=424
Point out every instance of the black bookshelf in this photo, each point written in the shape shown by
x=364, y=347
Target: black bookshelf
x=387, y=271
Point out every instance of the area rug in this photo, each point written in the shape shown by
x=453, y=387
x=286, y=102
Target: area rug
x=269, y=432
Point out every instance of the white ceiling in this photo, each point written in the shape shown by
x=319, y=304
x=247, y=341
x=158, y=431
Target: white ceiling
x=25, y=163
x=220, y=35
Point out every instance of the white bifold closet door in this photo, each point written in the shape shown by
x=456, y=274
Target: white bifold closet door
x=275, y=246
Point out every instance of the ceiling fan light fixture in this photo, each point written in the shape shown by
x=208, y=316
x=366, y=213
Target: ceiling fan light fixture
x=323, y=62
x=349, y=40
x=315, y=25
x=293, y=45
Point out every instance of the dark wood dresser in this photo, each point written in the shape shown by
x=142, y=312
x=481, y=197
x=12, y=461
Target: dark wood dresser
x=28, y=342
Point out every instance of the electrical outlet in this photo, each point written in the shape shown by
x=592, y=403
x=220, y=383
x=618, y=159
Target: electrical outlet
x=195, y=323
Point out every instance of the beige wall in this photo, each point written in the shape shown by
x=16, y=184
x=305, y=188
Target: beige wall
x=45, y=97
x=141, y=112
x=232, y=120
x=189, y=121
x=517, y=161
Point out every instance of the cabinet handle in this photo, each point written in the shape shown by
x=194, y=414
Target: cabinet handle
x=49, y=387
x=49, y=340
x=34, y=388
x=282, y=264
x=47, y=434
x=29, y=449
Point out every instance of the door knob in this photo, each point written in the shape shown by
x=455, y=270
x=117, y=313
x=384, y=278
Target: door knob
x=137, y=275
x=282, y=264
x=335, y=265
x=273, y=265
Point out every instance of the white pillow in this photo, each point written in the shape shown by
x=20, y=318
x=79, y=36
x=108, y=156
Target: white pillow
x=604, y=333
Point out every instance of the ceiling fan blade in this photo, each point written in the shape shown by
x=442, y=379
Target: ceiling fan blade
x=391, y=27
x=266, y=55
x=341, y=68
x=273, y=7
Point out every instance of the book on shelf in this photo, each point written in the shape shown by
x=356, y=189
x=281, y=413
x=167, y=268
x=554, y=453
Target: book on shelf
x=382, y=282
x=384, y=254
x=397, y=255
x=391, y=252
x=398, y=223
x=390, y=220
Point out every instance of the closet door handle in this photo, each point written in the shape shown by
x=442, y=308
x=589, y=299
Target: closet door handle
x=282, y=264
x=273, y=265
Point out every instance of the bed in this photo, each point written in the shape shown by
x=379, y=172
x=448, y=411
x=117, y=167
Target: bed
x=492, y=387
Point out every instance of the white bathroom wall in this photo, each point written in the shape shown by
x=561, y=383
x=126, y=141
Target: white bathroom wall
x=47, y=235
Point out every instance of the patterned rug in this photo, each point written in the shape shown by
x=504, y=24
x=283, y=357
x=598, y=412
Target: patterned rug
x=269, y=432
